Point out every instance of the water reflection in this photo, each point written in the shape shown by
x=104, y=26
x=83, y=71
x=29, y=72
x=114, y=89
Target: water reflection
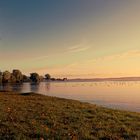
x=47, y=86
x=34, y=87
x=122, y=95
x=11, y=87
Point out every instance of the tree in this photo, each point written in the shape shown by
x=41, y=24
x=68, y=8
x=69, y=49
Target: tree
x=41, y=78
x=47, y=76
x=0, y=77
x=26, y=78
x=13, y=79
x=6, y=77
x=35, y=77
x=65, y=79
x=18, y=75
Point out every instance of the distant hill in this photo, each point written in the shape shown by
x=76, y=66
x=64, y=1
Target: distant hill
x=108, y=79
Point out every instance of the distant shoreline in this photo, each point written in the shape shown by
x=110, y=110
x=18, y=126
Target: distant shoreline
x=107, y=79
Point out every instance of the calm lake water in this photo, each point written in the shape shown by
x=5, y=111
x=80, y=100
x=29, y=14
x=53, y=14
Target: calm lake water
x=118, y=95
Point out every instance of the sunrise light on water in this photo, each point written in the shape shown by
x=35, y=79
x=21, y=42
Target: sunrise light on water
x=69, y=70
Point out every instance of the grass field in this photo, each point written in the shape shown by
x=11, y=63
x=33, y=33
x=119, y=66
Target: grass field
x=34, y=116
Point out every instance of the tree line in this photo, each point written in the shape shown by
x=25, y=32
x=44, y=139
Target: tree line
x=16, y=76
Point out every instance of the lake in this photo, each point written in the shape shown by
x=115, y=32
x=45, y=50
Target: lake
x=123, y=95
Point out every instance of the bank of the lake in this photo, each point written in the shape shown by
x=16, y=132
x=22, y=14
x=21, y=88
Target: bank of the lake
x=116, y=95
x=34, y=116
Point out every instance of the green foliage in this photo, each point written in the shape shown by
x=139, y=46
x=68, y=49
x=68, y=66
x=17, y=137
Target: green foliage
x=26, y=78
x=6, y=77
x=18, y=75
x=47, y=76
x=35, y=77
x=13, y=79
x=0, y=77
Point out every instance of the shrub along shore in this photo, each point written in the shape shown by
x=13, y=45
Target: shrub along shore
x=34, y=116
x=16, y=76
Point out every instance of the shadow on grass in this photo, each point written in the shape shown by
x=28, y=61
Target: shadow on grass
x=29, y=94
x=5, y=90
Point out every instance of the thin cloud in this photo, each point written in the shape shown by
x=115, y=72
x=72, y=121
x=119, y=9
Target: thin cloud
x=78, y=48
x=125, y=55
x=81, y=49
x=74, y=47
x=131, y=53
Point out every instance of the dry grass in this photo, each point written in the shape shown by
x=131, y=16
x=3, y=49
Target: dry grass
x=33, y=116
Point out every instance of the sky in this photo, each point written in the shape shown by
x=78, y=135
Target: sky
x=71, y=38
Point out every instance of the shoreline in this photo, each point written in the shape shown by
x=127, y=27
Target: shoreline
x=109, y=105
x=35, y=116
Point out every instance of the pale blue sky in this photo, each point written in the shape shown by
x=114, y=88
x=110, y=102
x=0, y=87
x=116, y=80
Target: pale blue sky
x=71, y=38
